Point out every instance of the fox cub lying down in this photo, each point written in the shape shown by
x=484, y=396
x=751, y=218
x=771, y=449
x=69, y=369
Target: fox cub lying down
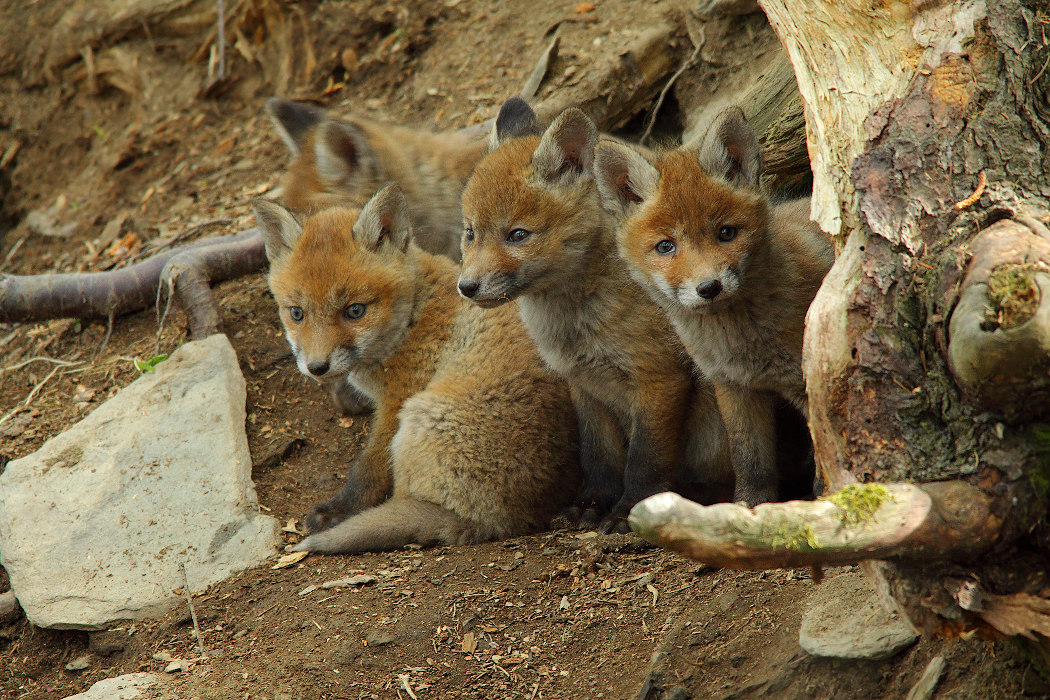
x=473, y=439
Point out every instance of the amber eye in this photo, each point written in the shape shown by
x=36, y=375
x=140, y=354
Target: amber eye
x=518, y=235
x=296, y=313
x=468, y=235
x=727, y=233
x=355, y=311
x=665, y=247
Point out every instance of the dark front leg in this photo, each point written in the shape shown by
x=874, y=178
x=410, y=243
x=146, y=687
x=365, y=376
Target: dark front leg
x=750, y=423
x=601, y=459
x=370, y=480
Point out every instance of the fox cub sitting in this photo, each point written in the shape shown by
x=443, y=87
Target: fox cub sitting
x=735, y=273
x=535, y=232
x=472, y=438
x=343, y=161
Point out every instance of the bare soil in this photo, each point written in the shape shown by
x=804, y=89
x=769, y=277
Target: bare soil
x=562, y=614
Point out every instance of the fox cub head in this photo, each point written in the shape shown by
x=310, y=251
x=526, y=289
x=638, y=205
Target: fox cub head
x=344, y=281
x=689, y=226
x=530, y=210
x=333, y=163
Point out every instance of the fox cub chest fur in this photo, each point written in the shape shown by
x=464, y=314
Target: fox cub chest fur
x=734, y=273
x=472, y=439
x=535, y=232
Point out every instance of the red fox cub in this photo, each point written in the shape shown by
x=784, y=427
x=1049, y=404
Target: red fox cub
x=734, y=273
x=343, y=161
x=472, y=439
x=535, y=232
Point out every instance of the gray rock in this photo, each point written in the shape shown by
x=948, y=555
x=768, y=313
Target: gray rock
x=844, y=619
x=127, y=687
x=9, y=610
x=96, y=525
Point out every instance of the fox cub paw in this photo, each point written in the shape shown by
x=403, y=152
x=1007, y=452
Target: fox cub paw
x=324, y=516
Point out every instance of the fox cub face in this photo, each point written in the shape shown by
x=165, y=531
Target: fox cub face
x=690, y=224
x=529, y=207
x=343, y=280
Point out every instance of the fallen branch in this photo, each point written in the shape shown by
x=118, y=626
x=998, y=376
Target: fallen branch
x=861, y=522
x=186, y=271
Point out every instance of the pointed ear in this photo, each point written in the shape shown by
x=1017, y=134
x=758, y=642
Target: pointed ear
x=341, y=149
x=625, y=178
x=730, y=150
x=278, y=226
x=384, y=223
x=293, y=120
x=515, y=119
x=567, y=146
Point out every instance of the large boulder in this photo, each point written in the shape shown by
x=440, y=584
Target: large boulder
x=96, y=525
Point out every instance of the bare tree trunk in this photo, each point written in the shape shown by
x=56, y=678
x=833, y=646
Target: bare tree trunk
x=927, y=349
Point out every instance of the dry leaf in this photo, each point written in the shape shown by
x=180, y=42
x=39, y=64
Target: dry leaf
x=584, y=7
x=84, y=393
x=308, y=590
x=652, y=589
x=469, y=644
x=1019, y=613
x=291, y=528
x=287, y=560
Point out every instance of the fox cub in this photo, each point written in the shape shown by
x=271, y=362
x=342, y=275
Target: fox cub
x=343, y=161
x=734, y=272
x=535, y=232
x=472, y=439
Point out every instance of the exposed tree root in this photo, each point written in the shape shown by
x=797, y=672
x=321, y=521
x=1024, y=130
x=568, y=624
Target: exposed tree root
x=186, y=272
x=860, y=522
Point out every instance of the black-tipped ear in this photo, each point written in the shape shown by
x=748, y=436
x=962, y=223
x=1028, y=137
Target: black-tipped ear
x=567, y=146
x=384, y=223
x=625, y=178
x=515, y=119
x=341, y=150
x=278, y=226
x=293, y=120
x=731, y=150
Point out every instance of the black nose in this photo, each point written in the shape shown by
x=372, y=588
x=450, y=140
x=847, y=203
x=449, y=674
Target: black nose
x=317, y=368
x=469, y=288
x=709, y=289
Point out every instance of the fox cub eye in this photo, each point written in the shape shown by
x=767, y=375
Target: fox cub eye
x=296, y=313
x=518, y=235
x=355, y=311
x=665, y=247
x=727, y=233
x=468, y=235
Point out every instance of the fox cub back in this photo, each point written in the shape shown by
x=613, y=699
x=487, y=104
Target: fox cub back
x=735, y=273
x=343, y=161
x=472, y=438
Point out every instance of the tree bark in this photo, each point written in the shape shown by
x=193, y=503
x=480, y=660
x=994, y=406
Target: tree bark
x=927, y=348
x=929, y=126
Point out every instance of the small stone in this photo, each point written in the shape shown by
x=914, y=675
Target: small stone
x=9, y=609
x=845, y=620
x=79, y=663
x=130, y=686
x=156, y=478
x=378, y=638
x=349, y=60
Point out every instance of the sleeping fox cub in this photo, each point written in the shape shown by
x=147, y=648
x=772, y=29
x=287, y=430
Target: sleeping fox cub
x=734, y=272
x=472, y=438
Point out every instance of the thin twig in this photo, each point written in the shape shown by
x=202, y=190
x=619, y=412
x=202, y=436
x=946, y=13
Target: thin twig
x=150, y=250
x=403, y=677
x=40, y=358
x=25, y=404
x=14, y=249
x=167, y=307
x=222, y=40
x=105, y=339
x=663, y=93
x=193, y=614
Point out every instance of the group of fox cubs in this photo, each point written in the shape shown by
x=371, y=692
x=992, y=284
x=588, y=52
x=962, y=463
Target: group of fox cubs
x=536, y=307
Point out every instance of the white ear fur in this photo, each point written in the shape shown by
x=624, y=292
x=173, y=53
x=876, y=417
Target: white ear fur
x=279, y=228
x=567, y=146
x=730, y=150
x=625, y=178
x=384, y=223
x=341, y=149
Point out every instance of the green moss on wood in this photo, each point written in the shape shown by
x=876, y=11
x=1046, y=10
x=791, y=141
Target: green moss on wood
x=859, y=502
x=797, y=539
x=1013, y=294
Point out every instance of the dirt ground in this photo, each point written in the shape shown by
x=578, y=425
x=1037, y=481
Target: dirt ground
x=111, y=152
